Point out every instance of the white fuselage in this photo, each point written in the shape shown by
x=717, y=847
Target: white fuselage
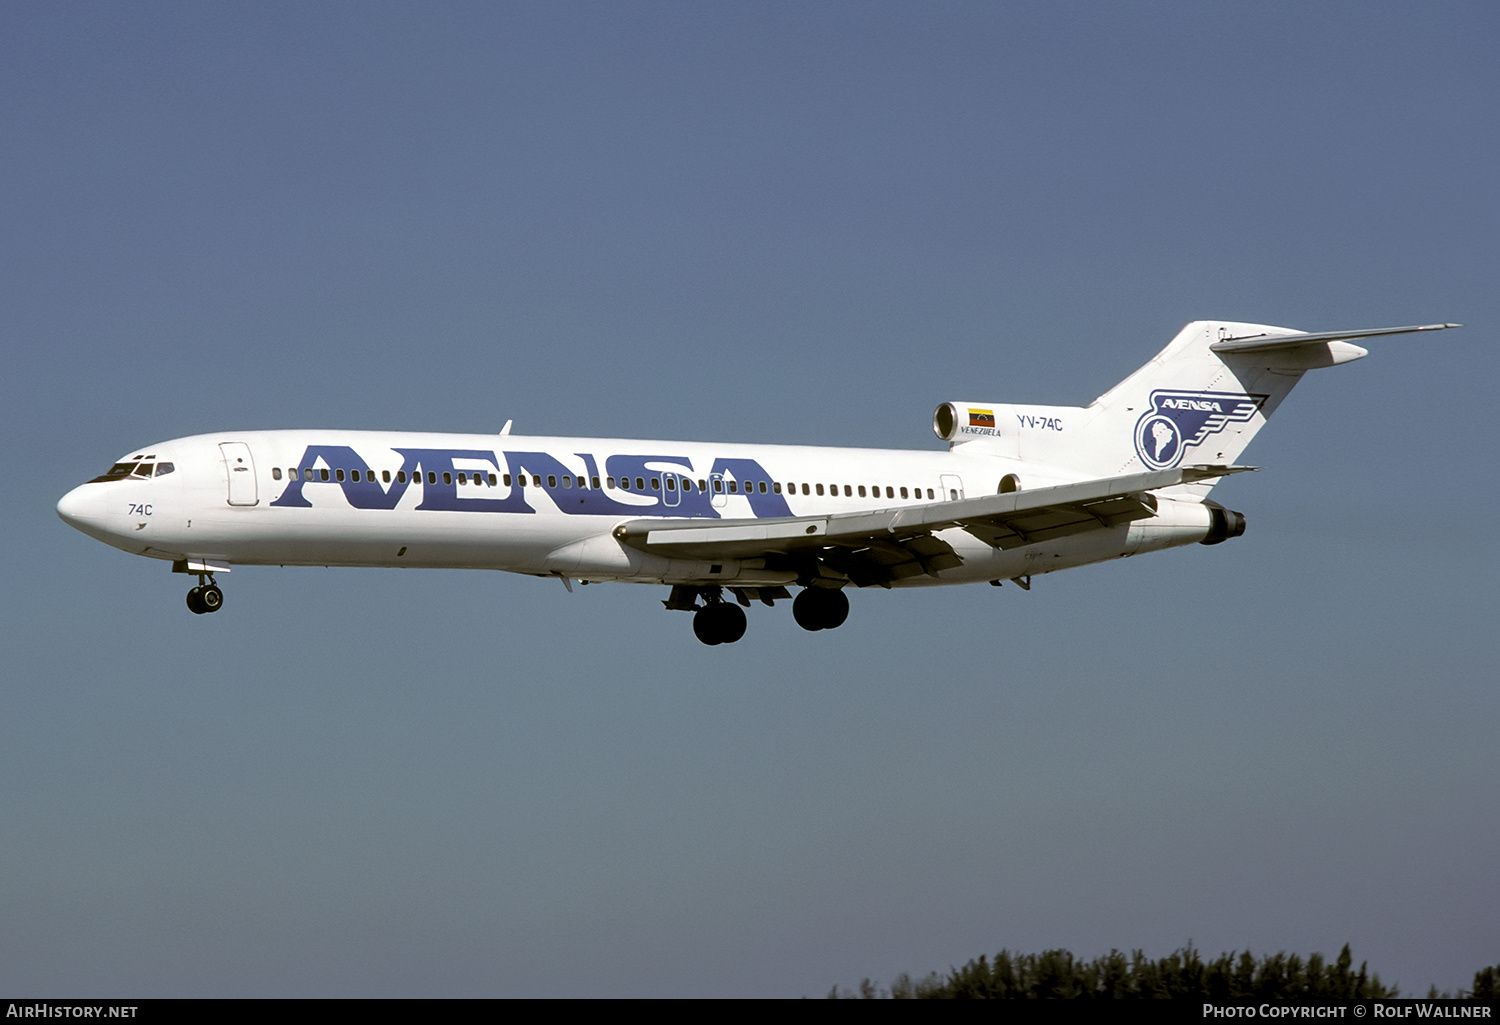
x=547, y=505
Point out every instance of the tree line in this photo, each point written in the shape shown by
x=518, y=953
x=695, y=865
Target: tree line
x=1236, y=977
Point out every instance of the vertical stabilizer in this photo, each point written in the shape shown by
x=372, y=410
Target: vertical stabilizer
x=1203, y=398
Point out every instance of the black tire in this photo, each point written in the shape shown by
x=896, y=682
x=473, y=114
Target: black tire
x=818, y=608
x=807, y=610
x=706, y=626
x=810, y=608
x=835, y=609
x=732, y=622
x=212, y=599
x=195, y=601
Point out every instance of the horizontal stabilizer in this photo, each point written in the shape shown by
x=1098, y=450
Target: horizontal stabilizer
x=1268, y=342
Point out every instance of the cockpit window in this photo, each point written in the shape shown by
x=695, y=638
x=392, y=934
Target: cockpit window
x=119, y=471
x=134, y=469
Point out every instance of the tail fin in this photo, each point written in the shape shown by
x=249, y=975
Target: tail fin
x=1203, y=398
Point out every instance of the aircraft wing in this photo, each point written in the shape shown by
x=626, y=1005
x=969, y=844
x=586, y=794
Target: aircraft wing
x=891, y=544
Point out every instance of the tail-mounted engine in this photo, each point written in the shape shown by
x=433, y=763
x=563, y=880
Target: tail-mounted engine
x=964, y=421
x=1223, y=524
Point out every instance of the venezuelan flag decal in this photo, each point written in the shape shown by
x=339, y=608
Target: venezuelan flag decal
x=981, y=417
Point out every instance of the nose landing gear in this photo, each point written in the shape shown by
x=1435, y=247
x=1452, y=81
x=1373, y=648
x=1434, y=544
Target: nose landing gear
x=206, y=597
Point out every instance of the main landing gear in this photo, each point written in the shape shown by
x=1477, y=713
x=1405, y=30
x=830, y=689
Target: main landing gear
x=206, y=597
x=720, y=621
x=819, y=608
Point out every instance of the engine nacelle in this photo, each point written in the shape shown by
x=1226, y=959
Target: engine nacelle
x=963, y=421
x=1223, y=524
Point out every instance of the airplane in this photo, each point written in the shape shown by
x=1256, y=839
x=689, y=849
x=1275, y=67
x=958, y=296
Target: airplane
x=1021, y=491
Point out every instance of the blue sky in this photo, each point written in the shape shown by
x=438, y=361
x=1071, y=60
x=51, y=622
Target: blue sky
x=761, y=222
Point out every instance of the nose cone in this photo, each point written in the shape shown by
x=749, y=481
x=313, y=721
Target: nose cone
x=83, y=509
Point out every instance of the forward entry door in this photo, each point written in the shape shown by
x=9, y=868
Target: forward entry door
x=240, y=469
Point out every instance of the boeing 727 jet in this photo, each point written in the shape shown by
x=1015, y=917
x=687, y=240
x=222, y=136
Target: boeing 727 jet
x=1021, y=490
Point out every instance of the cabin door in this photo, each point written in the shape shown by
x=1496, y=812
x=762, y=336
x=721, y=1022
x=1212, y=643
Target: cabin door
x=240, y=469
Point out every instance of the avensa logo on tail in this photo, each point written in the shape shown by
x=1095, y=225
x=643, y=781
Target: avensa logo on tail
x=1178, y=420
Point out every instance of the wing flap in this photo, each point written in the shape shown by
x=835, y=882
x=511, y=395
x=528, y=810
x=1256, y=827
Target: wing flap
x=892, y=544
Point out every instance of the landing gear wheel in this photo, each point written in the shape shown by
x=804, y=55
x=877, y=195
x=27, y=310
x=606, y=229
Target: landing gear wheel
x=731, y=622
x=835, y=610
x=195, y=601
x=719, y=623
x=212, y=599
x=706, y=627
x=819, y=608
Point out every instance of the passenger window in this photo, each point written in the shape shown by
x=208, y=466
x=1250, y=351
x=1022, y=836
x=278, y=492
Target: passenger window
x=609, y=483
x=624, y=483
x=762, y=487
x=447, y=477
x=505, y=479
x=567, y=480
x=890, y=492
x=640, y=485
x=848, y=491
x=338, y=475
x=385, y=475
x=594, y=483
x=275, y=473
x=953, y=494
x=903, y=492
x=734, y=487
x=323, y=474
x=718, y=485
x=291, y=474
x=861, y=491
x=520, y=480
x=536, y=480
x=776, y=488
x=431, y=476
x=400, y=476
x=820, y=489
x=655, y=483
x=804, y=489
x=551, y=480
x=703, y=485
x=671, y=483
x=493, y=481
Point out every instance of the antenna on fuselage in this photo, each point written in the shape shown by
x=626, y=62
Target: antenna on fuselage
x=506, y=428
